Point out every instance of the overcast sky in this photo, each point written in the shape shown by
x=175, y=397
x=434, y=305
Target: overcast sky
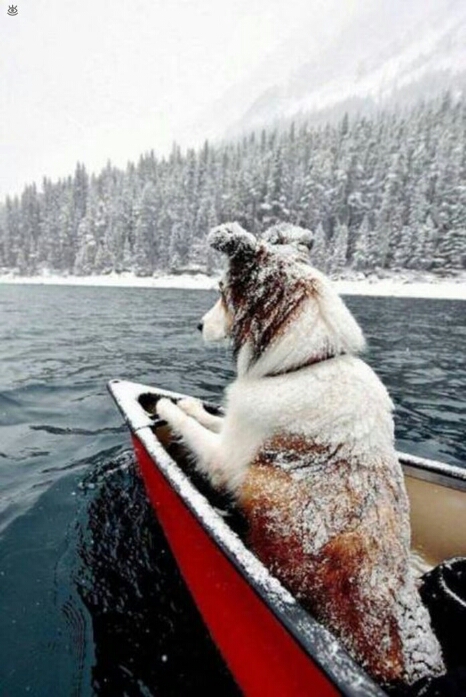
x=92, y=81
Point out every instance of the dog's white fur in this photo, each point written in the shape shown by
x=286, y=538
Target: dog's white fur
x=215, y=323
x=308, y=401
x=338, y=403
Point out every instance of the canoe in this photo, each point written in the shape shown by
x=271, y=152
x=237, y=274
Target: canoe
x=271, y=645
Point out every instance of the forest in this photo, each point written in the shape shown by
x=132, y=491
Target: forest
x=382, y=193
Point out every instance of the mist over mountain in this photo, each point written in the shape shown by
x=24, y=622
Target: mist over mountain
x=382, y=54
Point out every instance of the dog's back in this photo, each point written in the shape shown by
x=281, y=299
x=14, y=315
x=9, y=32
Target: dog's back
x=327, y=509
x=317, y=528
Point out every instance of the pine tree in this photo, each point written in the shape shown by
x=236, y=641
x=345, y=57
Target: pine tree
x=146, y=244
x=387, y=192
x=320, y=254
x=361, y=249
x=84, y=264
x=404, y=251
x=339, y=249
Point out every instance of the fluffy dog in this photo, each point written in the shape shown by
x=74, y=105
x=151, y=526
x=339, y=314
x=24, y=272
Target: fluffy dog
x=307, y=449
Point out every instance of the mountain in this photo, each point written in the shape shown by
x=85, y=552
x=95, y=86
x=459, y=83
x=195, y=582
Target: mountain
x=382, y=54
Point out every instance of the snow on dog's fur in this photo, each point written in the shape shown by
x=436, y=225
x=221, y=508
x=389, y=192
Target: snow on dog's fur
x=307, y=449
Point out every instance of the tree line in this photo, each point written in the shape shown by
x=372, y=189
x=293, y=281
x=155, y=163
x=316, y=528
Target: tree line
x=387, y=192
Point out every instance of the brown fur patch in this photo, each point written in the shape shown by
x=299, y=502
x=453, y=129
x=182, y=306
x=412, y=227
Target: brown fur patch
x=265, y=294
x=349, y=582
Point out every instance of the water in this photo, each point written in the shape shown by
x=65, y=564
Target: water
x=90, y=599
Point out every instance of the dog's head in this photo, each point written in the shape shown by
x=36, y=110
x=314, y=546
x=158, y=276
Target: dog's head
x=271, y=297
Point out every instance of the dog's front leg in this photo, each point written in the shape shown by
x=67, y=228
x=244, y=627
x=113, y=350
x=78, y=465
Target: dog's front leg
x=195, y=408
x=202, y=442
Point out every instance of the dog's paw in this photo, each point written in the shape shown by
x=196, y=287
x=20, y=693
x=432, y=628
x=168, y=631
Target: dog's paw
x=167, y=410
x=191, y=406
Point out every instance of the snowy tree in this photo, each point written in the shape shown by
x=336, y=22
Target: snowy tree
x=84, y=264
x=320, y=250
x=361, y=249
x=339, y=248
x=423, y=246
x=146, y=242
x=404, y=251
x=386, y=192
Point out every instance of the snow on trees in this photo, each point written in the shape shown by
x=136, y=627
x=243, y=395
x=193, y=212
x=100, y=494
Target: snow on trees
x=387, y=192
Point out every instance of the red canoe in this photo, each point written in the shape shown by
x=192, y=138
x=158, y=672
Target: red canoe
x=271, y=645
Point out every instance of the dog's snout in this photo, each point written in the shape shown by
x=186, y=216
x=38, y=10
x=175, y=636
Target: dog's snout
x=200, y=326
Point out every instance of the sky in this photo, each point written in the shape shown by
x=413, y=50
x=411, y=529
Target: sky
x=96, y=81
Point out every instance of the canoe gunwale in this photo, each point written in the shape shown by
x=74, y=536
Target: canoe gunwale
x=433, y=471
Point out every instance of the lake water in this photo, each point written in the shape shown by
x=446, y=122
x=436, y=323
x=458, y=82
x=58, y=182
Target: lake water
x=91, y=602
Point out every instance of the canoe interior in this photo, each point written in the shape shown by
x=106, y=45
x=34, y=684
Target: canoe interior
x=438, y=520
x=438, y=510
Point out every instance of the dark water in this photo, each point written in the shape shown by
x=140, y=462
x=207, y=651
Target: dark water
x=91, y=602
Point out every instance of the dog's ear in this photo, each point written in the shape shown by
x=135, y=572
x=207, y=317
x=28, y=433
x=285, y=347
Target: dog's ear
x=233, y=240
x=286, y=234
x=290, y=240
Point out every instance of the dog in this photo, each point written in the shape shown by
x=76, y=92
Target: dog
x=306, y=448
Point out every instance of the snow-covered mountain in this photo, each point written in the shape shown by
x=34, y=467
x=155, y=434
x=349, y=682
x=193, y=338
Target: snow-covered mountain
x=385, y=52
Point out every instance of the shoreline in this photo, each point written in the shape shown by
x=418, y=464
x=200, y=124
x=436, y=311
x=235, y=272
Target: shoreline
x=449, y=289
